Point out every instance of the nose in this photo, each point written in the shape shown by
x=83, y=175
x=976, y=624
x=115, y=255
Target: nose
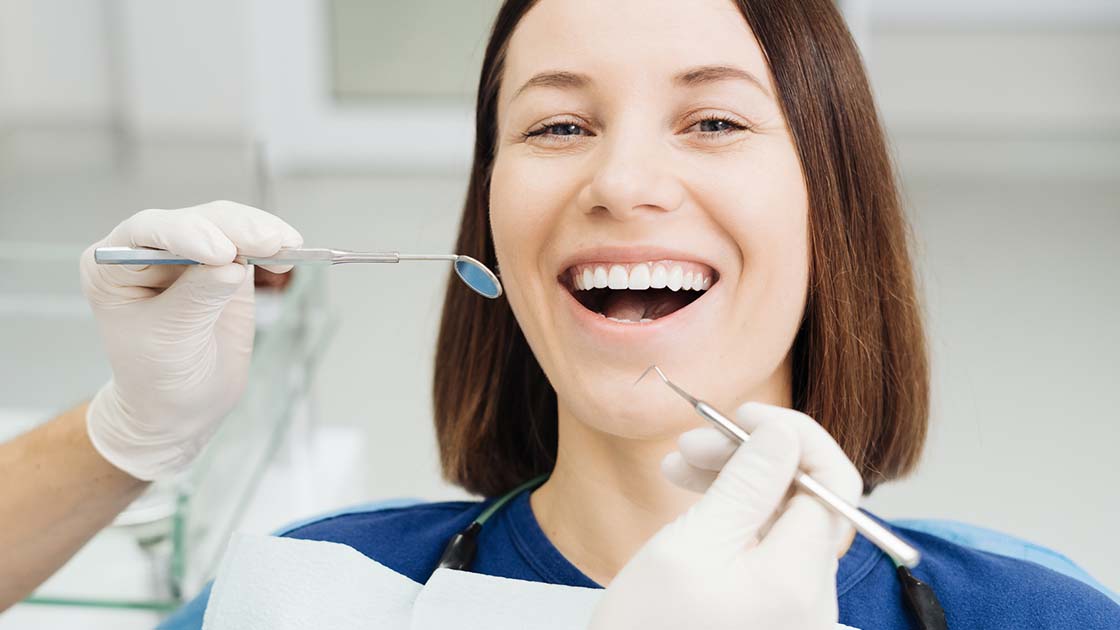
x=632, y=176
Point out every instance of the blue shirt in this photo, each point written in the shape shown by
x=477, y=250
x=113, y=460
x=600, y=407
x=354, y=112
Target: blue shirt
x=977, y=589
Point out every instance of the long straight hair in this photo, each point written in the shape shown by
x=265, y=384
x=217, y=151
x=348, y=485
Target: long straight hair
x=859, y=357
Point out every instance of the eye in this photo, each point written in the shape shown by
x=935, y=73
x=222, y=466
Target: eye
x=558, y=131
x=716, y=125
x=713, y=126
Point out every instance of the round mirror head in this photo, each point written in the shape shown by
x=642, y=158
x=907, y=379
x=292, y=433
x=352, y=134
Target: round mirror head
x=478, y=277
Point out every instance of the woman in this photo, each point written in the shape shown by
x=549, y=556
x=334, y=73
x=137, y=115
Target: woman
x=704, y=187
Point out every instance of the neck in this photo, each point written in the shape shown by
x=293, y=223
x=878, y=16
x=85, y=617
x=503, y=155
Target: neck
x=605, y=498
x=606, y=495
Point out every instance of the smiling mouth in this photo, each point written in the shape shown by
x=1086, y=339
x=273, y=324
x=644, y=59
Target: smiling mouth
x=638, y=293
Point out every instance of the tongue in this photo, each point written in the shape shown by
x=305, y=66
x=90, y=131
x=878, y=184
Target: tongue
x=637, y=305
x=625, y=305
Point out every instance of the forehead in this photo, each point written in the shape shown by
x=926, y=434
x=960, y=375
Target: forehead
x=620, y=41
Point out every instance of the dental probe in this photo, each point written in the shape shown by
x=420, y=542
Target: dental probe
x=882, y=537
x=474, y=274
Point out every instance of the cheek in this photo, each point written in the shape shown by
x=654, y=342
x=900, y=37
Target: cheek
x=765, y=210
x=767, y=216
x=778, y=266
x=778, y=251
x=516, y=218
x=525, y=205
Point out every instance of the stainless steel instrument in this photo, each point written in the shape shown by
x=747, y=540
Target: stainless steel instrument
x=474, y=274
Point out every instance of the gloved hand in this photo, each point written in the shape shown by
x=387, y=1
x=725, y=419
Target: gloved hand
x=747, y=554
x=179, y=338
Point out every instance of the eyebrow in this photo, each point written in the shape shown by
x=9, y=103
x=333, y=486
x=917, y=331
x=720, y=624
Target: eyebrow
x=555, y=79
x=712, y=74
x=691, y=77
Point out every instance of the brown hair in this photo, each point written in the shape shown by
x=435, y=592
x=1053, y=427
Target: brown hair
x=859, y=358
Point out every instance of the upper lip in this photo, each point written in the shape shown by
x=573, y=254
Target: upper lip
x=631, y=254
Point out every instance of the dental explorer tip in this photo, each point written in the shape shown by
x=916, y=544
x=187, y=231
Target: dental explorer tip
x=652, y=368
x=647, y=371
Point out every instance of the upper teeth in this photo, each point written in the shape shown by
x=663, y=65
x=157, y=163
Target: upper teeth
x=671, y=275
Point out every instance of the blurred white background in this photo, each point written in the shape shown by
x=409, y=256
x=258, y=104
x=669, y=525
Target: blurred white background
x=352, y=120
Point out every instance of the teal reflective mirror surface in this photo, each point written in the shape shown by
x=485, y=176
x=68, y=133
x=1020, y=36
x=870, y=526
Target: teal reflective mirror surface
x=478, y=277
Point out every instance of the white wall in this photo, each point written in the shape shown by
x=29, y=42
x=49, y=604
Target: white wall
x=998, y=82
x=54, y=62
x=185, y=67
x=156, y=68
x=995, y=12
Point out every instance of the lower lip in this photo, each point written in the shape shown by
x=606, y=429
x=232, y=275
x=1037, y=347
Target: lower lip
x=600, y=325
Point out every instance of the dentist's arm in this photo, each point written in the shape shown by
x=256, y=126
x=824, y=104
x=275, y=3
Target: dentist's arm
x=58, y=491
x=179, y=341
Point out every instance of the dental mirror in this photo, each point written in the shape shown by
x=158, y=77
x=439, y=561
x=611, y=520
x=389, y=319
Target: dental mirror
x=478, y=277
x=473, y=273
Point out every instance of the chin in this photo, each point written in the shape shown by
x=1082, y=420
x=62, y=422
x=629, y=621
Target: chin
x=634, y=412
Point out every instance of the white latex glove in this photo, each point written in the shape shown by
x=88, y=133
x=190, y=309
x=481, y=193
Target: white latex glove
x=179, y=338
x=746, y=555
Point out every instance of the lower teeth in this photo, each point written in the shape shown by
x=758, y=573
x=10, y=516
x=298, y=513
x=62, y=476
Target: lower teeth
x=644, y=320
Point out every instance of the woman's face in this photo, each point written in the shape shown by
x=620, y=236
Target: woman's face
x=641, y=145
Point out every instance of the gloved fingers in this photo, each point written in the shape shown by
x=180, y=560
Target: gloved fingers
x=235, y=326
x=212, y=234
x=677, y=470
x=103, y=285
x=751, y=486
x=253, y=232
x=288, y=240
x=186, y=234
x=706, y=448
x=806, y=527
x=153, y=278
x=821, y=457
x=806, y=533
x=203, y=290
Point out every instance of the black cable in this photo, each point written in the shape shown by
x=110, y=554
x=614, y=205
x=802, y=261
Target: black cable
x=460, y=550
x=921, y=601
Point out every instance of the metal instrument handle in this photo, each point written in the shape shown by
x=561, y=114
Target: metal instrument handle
x=286, y=256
